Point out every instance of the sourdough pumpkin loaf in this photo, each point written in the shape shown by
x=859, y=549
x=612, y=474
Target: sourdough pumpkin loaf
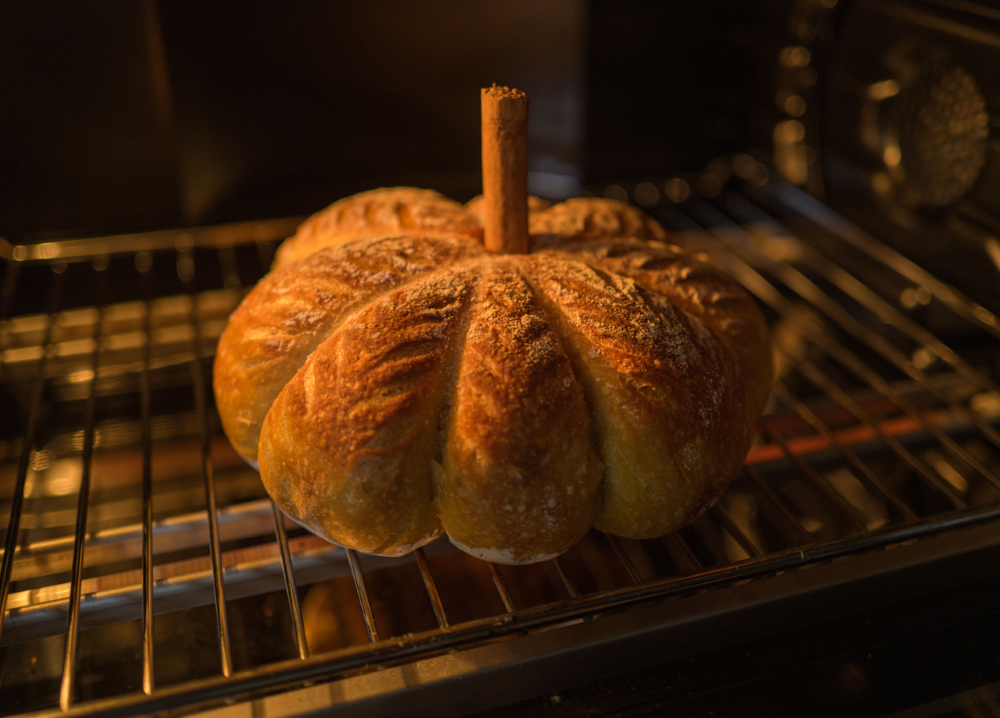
x=401, y=385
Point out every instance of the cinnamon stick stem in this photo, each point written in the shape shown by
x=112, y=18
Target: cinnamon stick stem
x=505, y=170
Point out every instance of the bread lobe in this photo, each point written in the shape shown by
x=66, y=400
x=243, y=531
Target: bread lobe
x=348, y=448
x=520, y=478
x=586, y=219
x=662, y=394
x=694, y=284
x=291, y=311
x=388, y=210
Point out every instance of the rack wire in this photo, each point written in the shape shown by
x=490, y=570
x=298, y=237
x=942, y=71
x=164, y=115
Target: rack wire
x=125, y=506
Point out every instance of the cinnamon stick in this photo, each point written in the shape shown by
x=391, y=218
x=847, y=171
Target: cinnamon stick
x=505, y=170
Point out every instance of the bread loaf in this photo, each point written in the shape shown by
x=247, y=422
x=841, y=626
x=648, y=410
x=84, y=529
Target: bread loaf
x=407, y=383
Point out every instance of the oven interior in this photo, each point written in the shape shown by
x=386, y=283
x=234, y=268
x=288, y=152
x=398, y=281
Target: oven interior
x=146, y=571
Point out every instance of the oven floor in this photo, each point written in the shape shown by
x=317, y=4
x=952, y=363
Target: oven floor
x=870, y=664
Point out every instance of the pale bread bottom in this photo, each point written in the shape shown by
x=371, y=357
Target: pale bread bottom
x=497, y=555
x=403, y=550
x=400, y=551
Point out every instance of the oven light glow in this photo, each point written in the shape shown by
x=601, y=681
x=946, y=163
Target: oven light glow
x=646, y=194
x=677, y=190
x=63, y=478
x=923, y=357
x=795, y=106
x=709, y=185
x=41, y=460
x=790, y=154
x=987, y=404
x=882, y=183
x=48, y=250
x=950, y=474
x=616, y=192
x=993, y=249
x=791, y=131
x=892, y=156
x=59, y=477
x=883, y=90
x=795, y=57
x=911, y=297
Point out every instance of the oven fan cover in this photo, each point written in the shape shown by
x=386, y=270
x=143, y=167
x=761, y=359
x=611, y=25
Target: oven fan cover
x=890, y=111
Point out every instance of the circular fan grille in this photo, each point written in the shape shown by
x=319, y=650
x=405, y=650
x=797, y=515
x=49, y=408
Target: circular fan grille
x=942, y=135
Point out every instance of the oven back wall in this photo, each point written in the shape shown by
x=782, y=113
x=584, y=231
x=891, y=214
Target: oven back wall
x=123, y=116
x=85, y=130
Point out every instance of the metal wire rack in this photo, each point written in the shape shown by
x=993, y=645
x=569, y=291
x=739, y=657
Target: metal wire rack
x=144, y=569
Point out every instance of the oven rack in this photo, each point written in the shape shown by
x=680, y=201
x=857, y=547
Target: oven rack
x=879, y=433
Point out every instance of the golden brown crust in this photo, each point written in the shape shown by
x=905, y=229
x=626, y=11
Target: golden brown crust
x=349, y=445
x=695, y=284
x=412, y=383
x=404, y=210
x=667, y=396
x=291, y=311
x=586, y=219
x=520, y=478
x=389, y=210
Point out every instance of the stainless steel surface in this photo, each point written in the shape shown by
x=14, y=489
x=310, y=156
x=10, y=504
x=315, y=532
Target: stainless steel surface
x=124, y=502
x=432, y=591
x=501, y=584
x=366, y=606
x=148, y=681
x=66, y=690
x=17, y=496
x=208, y=473
x=286, y=570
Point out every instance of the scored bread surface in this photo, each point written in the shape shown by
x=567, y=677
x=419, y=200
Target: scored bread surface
x=586, y=219
x=392, y=388
x=388, y=210
x=407, y=210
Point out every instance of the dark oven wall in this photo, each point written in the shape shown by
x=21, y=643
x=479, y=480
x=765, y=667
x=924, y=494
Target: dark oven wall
x=128, y=116
x=673, y=86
